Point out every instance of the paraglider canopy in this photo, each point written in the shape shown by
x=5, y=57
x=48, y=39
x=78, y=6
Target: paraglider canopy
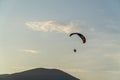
x=80, y=35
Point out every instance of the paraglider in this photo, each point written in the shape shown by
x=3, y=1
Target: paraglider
x=81, y=36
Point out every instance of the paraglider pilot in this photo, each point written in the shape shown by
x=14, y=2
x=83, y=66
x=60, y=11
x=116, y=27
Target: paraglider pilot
x=75, y=50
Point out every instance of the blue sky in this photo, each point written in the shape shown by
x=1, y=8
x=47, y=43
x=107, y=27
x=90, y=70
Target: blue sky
x=35, y=33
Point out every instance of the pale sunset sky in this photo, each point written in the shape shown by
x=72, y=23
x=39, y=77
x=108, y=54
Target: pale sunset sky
x=35, y=34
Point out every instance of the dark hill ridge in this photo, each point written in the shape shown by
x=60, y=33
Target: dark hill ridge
x=40, y=74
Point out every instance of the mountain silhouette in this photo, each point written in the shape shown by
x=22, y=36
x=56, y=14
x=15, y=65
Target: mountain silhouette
x=39, y=74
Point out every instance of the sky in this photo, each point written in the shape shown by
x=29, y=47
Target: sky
x=35, y=34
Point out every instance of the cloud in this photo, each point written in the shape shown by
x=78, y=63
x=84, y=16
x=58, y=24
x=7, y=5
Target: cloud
x=50, y=26
x=30, y=51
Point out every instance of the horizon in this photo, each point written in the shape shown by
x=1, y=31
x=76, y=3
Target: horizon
x=35, y=34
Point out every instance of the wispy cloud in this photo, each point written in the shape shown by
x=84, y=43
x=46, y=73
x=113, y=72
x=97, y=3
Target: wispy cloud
x=50, y=26
x=30, y=51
